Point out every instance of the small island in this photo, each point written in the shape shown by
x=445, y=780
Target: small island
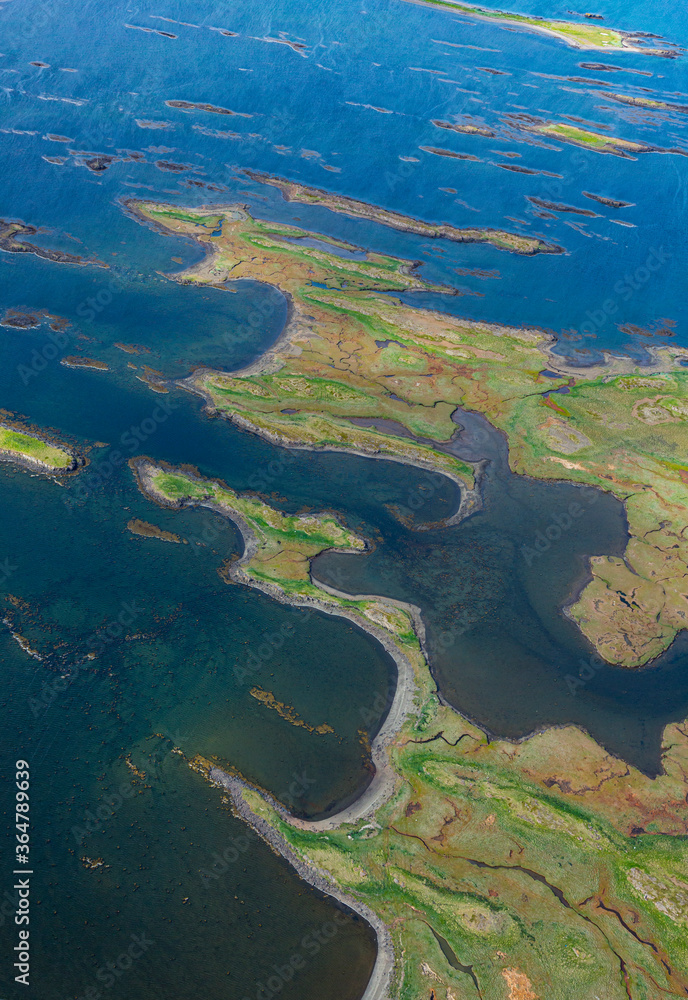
x=500, y=238
x=643, y=102
x=10, y=243
x=77, y=361
x=465, y=128
x=146, y=530
x=35, y=451
x=577, y=136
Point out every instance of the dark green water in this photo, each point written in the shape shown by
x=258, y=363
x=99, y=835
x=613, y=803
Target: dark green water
x=215, y=927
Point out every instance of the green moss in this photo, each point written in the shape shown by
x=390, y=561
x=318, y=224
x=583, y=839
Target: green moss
x=178, y=487
x=592, y=140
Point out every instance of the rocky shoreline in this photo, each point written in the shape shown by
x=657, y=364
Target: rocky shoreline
x=378, y=987
x=32, y=464
x=382, y=784
x=384, y=780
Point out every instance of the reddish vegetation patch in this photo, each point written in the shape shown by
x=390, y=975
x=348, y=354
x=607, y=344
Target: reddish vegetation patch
x=520, y=987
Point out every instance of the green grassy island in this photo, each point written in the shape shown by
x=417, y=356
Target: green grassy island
x=582, y=35
x=34, y=451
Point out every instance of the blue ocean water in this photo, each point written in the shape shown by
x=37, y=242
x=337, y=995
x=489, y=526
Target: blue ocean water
x=344, y=99
x=341, y=97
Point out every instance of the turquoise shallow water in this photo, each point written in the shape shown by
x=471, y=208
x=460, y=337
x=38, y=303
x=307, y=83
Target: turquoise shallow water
x=501, y=650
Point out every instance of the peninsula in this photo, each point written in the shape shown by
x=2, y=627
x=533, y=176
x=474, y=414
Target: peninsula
x=489, y=869
x=278, y=549
x=11, y=243
x=356, y=369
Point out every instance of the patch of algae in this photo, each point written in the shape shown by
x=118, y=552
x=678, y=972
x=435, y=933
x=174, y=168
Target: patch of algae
x=499, y=238
x=288, y=713
x=350, y=351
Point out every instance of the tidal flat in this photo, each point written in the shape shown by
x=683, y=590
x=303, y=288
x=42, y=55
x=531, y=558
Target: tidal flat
x=113, y=637
x=351, y=348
